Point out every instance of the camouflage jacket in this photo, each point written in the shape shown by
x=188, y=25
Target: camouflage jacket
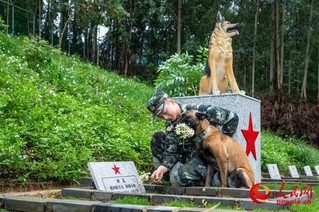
x=183, y=150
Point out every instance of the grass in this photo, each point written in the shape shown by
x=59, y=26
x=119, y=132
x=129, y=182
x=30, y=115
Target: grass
x=131, y=200
x=58, y=113
x=285, y=152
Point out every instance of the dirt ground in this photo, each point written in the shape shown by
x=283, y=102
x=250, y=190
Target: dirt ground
x=52, y=193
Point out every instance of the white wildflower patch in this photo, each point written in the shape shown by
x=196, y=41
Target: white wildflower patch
x=145, y=177
x=184, y=131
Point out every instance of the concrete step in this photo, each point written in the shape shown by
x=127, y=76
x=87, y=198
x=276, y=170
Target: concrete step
x=202, y=191
x=30, y=204
x=291, y=181
x=157, y=199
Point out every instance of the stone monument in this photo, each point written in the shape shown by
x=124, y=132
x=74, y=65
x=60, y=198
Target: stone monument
x=293, y=171
x=248, y=131
x=273, y=171
x=120, y=176
x=308, y=171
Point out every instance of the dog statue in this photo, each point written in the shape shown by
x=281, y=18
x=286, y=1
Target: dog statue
x=219, y=67
x=220, y=151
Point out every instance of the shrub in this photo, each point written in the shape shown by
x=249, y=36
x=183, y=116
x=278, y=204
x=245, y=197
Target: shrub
x=180, y=74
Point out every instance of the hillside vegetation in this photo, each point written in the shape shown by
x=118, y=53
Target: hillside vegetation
x=58, y=113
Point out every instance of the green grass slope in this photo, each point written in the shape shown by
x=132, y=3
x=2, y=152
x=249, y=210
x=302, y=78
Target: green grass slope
x=57, y=114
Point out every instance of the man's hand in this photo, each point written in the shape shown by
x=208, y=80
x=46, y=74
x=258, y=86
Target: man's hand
x=159, y=173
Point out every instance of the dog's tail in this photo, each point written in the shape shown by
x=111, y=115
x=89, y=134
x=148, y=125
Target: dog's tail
x=207, y=69
x=246, y=181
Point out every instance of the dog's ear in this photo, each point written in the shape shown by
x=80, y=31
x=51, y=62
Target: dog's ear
x=220, y=18
x=201, y=115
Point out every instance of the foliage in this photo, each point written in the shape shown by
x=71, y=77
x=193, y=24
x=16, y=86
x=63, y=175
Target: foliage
x=3, y=26
x=291, y=117
x=57, y=114
x=180, y=74
x=286, y=152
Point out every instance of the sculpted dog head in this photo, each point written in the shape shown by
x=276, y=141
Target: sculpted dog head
x=226, y=27
x=194, y=119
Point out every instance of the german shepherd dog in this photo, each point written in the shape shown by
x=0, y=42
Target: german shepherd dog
x=219, y=67
x=221, y=152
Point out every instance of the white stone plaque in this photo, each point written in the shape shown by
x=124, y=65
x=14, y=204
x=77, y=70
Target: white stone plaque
x=249, y=127
x=308, y=171
x=273, y=171
x=317, y=169
x=293, y=171
x=116, y=176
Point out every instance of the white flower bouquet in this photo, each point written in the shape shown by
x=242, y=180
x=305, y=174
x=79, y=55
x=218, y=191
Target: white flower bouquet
x=184, y=131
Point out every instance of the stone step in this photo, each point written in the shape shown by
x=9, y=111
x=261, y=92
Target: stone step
x=291, y=181
x=196, y=191
x=30, y=204
x=201, y=191
x=157, y=199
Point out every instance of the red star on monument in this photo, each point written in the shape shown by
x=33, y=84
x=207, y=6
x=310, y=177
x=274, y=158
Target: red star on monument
x=250, y=136
x=116, y=169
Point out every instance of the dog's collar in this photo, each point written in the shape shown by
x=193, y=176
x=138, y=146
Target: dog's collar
x=201, y=136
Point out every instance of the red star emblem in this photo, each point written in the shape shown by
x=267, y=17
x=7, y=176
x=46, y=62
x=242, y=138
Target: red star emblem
x=250, y=136
x=116, y=169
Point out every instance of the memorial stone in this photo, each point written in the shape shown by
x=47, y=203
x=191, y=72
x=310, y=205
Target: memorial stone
x=293, y=171
x=248, y=131
x=308, y=171
x=317, y=169
x=273, y=171
x=116, y=176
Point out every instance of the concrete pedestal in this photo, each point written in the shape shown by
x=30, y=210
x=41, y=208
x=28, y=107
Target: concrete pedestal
x=248, y=131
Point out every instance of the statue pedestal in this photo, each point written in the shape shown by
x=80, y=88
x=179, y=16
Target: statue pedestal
x=248, y=131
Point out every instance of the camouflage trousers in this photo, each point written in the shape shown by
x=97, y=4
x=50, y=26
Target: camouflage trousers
x=186, y=171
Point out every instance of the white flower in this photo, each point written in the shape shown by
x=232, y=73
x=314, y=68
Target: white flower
x=144, y=177
x=184, y=131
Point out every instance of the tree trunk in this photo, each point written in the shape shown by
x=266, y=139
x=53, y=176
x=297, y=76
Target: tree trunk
x=8, y=12
x=277, y=52
x=40, y=19
x=254, y=51
x=318, y=66
x=282, y=45
x=179, y=25
x=62, y=33
x=128, y=42
x=271, y=55
x=94, y=44
x=289, y=73
x=303, y=93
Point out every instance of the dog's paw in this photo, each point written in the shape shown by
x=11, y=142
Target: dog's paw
x=216, y=91
x=242, y=92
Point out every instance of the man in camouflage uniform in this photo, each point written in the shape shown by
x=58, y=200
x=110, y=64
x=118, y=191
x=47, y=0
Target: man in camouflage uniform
x=176, y=158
